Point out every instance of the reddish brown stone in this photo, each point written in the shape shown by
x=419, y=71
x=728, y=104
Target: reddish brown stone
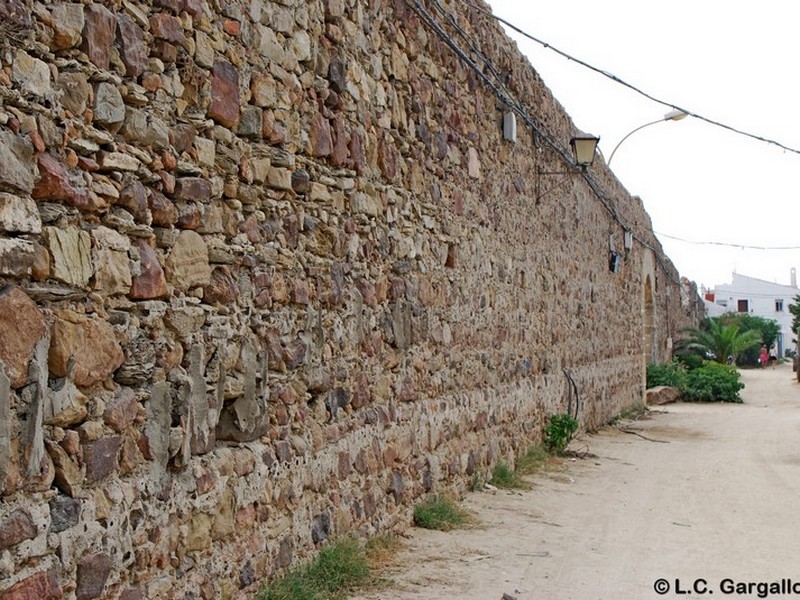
x=22, y=325
x=283, y=451
x=341, y=152
x=93, y=571
x=295, y=354
x=121, y=412
x=193, y=188
x=204, y=481
x=224, y=107
x=44, y=585
x=129, y=455
x=68, y=476
x=134, y=593
x=343, y=465
x=357, y=157
x=387, y=159
x=133, y=50
x=288, y=395
x=301, y=293
x=223, y=288
x=251, y=227
x=17, y=528
x=320, y=136
x=163, y=210
x=271, y=130
x=231, y=27
x=189, y=216
x=362, y=395
x=133, y=198
x=150, y=283
x=55, y=183
x=98, y=34
x=100, y=457
x=91, y=341
x=167, y=27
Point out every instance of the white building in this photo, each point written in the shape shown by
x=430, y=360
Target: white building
x=759, y=298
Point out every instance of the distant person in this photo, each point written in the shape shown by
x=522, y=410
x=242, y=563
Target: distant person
x=763, y=356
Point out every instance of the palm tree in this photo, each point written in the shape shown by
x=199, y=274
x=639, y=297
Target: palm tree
x=722, y=341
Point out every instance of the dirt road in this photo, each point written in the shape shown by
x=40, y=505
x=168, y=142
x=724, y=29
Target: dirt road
x=710, y=507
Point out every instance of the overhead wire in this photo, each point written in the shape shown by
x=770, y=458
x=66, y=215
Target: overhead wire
x=728, y=244
x=631, y=87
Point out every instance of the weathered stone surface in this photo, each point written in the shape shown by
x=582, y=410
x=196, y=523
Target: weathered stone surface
x=224, y=107
x=9, y=470
x=167, y=27
x=145, y=128
x=31, y=74
x=198, y=536
x=132, y=46
x=18, y=214
x=22, y=325
x=151, y=282
x=164, y=211
x=122, y=411
x=17, y=257
x=251, y=123
x=662, y=395
x=111, y=262
x=98, y=34
x=100, y=457
x=320, y=136
x=93, y=571
x=92, y=343
x=57, y=183
x=65, y=405
x=133, y=198
x=140, y=362
x=71, y=253
x=222, y=288
x=68, y=23
x=68, y=475
x=15, y=528
x=44, y=585
x=75, y=90
x=193, y=188
x=65, y=513
x=109, y=107
x=187, y=264
x=17, y=170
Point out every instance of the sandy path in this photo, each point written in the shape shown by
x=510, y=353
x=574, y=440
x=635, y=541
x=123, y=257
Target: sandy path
x=720, y=500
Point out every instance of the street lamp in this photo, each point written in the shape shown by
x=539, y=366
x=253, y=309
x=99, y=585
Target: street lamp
x=584, y=148
x=673, y=115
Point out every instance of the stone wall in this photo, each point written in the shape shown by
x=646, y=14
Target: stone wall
x=270, y=273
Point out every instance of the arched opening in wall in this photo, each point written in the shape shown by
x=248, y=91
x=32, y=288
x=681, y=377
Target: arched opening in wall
x=649, y=322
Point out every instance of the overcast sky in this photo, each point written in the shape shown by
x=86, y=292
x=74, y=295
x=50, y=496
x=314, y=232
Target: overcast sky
x=731, y=61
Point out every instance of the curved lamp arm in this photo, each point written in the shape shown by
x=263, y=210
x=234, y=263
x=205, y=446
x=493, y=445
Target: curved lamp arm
x=673, y=115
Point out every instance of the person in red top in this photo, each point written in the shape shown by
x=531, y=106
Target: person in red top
x=763, y=356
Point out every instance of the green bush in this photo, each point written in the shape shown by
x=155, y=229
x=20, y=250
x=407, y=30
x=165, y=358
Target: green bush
x=673, y=375
x=713, y=382
x=690, y=361
x=559, y=433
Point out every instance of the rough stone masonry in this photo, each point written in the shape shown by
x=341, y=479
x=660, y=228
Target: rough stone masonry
x=269, y=273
